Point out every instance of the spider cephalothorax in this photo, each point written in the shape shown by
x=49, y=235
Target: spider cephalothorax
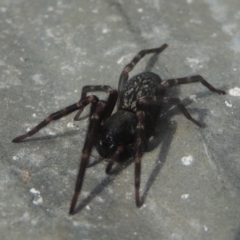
x=126, y=132
x=118, y=130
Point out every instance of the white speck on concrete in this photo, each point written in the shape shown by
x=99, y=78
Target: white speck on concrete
x=3, y=9
x=88, y=208
x=193, y=98
x=205, y=228
x=37, y=78
x=212, y=112
x=49, y=132
x=49, y=33
x=194, y=63
x=105, y=30
x=76, y=223
x=67, y=68
x=128, y=195
x=70, y=125
x=37, y=200
x=99, y=199
x=24, y=218
x=176, y=236
x=34, y=191
x=34, y=222
x=235, y=92
x=8, y=21
x=34, y=115
x=120, y=60
x=187, y=160
x=50, y=9
x=15, y=158
x=193, y=60
x=189, y=1
x=140, y=10
x=185, y=196
x=228, y=104
x=154, y=31
x=95, y=11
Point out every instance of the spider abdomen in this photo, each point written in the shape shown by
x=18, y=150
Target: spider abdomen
x=142, y=85
x=146, y=84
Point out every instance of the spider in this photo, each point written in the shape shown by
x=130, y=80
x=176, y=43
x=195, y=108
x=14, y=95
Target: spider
x=126, y=132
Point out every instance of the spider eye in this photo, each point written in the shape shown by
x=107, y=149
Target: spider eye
x=112, y=146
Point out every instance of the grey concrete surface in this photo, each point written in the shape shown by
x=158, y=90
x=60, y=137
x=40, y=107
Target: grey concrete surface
x=190, y=176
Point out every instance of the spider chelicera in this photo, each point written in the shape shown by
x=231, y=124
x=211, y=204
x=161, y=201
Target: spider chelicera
x=126, y=132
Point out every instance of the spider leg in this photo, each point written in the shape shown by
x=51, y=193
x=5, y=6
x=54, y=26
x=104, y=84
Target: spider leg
x=197, y=78
x=141, y=141
x=120, y=149
x=99, y=88
x=95, y=120
x=157, y=100
x=54, y=116
x=129, y=67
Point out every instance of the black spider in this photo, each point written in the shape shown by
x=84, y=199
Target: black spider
x=125, y=132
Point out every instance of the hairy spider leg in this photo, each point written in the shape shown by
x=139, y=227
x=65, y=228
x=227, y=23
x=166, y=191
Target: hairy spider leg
x=157, y=100
x=99, y=88
x=192, y=79
x=115, y=158
x=129, y=67
x=98, y=114
x=139, y=145
x=59, y=114
x=100, y=110
x=141, y=140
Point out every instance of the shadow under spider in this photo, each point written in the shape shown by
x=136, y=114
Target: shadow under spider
x=163, y=135
x=55, y=136
x=105, y=182
x=165, y=138
x=151, y=62
x=167, y=131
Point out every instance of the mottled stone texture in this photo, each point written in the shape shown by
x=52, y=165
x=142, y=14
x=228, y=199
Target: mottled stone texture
x=190, y=176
